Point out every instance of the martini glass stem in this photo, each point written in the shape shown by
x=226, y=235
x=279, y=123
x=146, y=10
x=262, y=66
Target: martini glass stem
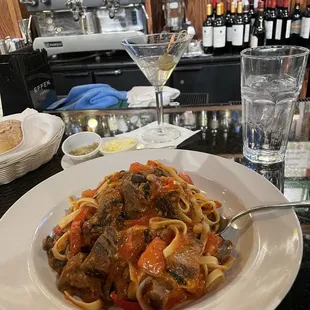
x=160, y=109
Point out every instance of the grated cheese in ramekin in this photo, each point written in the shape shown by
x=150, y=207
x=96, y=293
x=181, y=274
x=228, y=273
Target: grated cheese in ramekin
x=118, y=145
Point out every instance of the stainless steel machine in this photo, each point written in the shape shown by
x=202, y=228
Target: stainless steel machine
x=68, y=26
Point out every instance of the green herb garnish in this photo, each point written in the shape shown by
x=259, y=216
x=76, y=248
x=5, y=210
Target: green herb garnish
x=177, y=277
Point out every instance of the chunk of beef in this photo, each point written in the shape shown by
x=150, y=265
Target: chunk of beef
x=118, y=279
x=111, y=208
x=166, y=204
x=102, y=254
x=56, y=264
x=183, y=265
x=157, y=294
x=134, y=199
x=138, y=178
x=48, y=243
x=74, y=280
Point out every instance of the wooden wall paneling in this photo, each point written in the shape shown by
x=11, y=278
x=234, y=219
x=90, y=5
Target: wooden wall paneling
x=196, y=13
x=10, y=14
x=148, y=7
x=23, y=10
x=156, y=15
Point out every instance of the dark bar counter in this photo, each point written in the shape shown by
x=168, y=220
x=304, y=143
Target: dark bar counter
x=218, y=76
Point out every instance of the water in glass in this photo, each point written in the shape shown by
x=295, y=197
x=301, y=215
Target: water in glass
x=268, y=105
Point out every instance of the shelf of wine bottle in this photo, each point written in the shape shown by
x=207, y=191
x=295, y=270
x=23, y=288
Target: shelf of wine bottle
x=272, y=22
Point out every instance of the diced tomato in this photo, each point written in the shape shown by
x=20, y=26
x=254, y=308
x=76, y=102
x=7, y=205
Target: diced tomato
x=57, y=230
x=76, y=231
x=144, y=221
x=89, y=193
x=124, y=304
x=185, y=177
x=82, y=215
x=152, y=163
x=75, y=237
x=132, y=245
x=152, y=260
x=176, y=298
x=214, y=241
x=170, y=184
x=218, y=204
x=137, y=168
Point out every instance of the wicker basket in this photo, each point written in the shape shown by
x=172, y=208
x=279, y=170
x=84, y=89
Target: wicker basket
x=32, y=160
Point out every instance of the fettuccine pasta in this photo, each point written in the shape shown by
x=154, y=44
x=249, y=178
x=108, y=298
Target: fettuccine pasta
x=145, y=238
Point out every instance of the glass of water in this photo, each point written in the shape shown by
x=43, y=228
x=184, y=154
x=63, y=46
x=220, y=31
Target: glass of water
x=271, y=80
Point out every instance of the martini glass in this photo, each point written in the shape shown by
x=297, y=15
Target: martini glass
x=157, y=55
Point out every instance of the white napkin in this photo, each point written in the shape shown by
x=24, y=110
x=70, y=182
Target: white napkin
x=144, y=96
x=138, y=133
x=38, y=129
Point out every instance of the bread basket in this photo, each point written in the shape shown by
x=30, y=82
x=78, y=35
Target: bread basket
x=31, y=157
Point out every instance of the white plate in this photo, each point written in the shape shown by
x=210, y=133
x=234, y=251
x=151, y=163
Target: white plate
x=269, y=252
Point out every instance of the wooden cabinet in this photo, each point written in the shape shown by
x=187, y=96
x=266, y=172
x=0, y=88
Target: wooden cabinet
x=10, y=15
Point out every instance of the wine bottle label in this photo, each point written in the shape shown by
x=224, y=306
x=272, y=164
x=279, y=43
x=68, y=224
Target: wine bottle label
x=288, y=29
x=237, y=39
x=246, y=33
x=219, y=36
x=207, y=38
x=268, y=26
x=278, y=29
x=229, y=34
x=305, y=27
x=254, y=41
x=296, y=26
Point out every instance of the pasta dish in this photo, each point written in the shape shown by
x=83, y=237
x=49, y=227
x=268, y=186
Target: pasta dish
x=145, y=238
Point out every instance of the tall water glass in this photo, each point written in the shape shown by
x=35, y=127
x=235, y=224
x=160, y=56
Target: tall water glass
x=271, y=80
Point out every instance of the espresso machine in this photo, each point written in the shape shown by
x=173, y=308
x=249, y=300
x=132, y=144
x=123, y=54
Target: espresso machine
x=69, y=26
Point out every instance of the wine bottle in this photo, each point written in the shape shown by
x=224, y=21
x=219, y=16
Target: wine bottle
x=229, y=29
x=305, y=26
x=207, y=39
x=238, y=29
x=247, y=24
x=279, y=22
x=258, y=31
x=267, y=9
x=214, y=9
x=296, y=24
x=270, y=23
x=228, y=12
x=219, y=31
x=286, y=23
x=252, y=12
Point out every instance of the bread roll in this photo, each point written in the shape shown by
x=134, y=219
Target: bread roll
x=10, y=135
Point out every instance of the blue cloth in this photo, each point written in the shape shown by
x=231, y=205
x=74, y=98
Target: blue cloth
x=88, y=97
